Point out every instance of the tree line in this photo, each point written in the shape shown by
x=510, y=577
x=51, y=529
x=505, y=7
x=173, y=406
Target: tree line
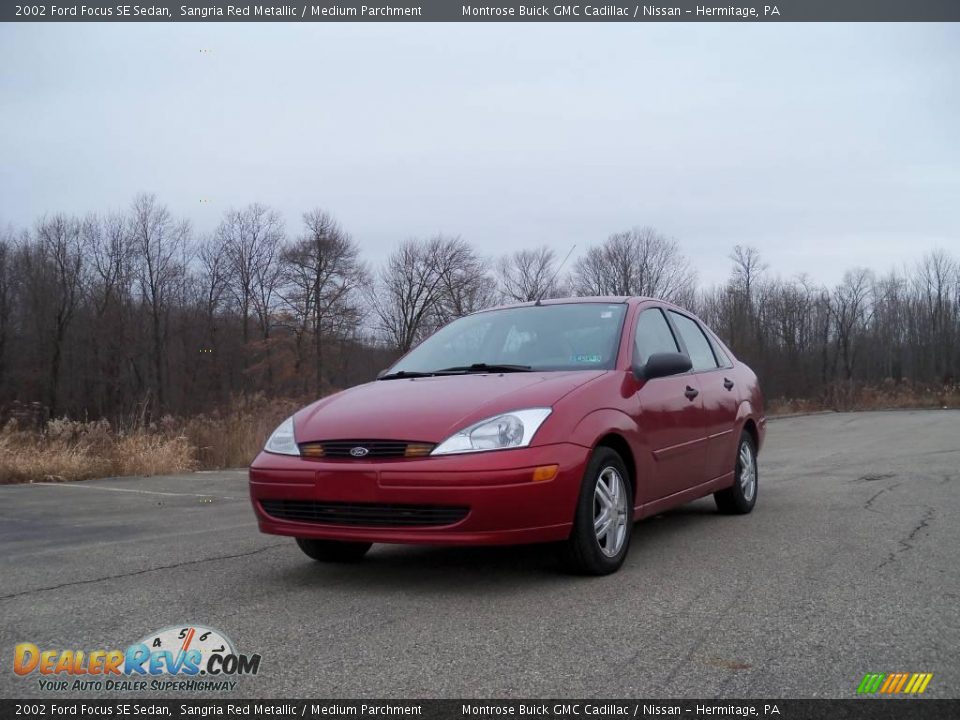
x=133, y=314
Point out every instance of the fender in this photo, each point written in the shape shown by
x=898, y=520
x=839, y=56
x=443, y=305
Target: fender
x=606, y=421
x=597, y=423
x=745, y=411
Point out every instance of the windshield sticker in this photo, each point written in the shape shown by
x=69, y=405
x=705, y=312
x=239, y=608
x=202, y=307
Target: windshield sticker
x=586, y=358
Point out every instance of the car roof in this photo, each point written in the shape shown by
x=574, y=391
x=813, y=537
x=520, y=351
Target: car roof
x=608, y=299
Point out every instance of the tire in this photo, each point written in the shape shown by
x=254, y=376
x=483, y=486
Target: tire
x=334, y=551
x=742, y=496
x=605, y=487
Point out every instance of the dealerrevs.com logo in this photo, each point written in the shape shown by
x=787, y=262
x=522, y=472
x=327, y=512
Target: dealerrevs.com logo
x=185, y=658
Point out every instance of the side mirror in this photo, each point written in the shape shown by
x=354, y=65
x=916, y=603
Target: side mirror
x=663, y=365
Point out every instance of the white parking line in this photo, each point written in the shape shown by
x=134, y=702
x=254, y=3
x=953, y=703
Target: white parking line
x=131, y=490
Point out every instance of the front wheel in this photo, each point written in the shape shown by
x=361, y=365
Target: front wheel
x=603, y=522
x=740, y=499
x=333, y=550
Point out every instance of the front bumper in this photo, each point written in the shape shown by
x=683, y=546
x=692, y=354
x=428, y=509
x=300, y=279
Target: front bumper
x=505, y=505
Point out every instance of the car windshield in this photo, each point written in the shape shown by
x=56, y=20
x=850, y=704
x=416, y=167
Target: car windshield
x=567, y=336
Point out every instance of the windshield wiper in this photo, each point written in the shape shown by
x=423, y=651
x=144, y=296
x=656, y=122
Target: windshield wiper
x=484, y=367
x=456, y=370
x=405, y=374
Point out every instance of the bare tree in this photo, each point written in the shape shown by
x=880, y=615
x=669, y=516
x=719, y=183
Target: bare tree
x=214, y=276
x=851, y=312
x=61, y=252
x=465, y=285
x=159, y=242
x=111, y=312
x=107, y=302
x=6, y=298
x=742, y=289
x=747, y=267
x=527, y=275
x=407, y=293
x=323, y=273
x=640, y=261
x=937, y=289
x=252, y=239
x=425, y=284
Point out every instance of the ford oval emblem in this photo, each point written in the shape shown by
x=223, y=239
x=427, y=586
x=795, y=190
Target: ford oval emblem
x=359, y=452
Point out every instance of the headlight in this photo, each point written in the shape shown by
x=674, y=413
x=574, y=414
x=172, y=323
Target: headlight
x=282, y=441
x=509, y=430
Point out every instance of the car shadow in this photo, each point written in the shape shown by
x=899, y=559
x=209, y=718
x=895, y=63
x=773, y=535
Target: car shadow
x=492, y=569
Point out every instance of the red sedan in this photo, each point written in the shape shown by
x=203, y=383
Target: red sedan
x=562, y=421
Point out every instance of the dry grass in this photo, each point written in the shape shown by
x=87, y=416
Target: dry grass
x=890, y=395
x=234, y=437
x=73, y=450
x=68, y=450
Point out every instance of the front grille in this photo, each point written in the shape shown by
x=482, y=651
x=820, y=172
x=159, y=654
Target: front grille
x=365, y=449
x=364, y=514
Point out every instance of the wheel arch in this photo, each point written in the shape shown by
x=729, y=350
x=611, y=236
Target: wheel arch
x=619, y=444
x=613, y=428
x=748, y=421
x=749, y=426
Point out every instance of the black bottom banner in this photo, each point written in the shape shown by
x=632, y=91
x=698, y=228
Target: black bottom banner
x=867, y=708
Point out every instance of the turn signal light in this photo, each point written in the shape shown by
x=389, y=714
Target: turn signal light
x=417, y=450
x=311, y=450
x=545, y=472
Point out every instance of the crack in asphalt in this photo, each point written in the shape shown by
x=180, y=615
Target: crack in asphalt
x=907, y=542
x=874, y=478
x=145, y=571
x=868, y=505
x=699, y=642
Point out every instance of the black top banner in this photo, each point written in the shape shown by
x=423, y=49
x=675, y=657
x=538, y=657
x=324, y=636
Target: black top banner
x=491, y=11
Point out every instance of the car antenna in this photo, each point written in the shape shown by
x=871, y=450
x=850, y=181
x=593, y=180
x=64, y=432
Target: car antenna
x=550, y=282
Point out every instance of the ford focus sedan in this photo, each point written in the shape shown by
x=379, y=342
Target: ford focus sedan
x=563, y=421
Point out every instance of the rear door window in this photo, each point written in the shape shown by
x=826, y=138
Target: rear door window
x=701, y=354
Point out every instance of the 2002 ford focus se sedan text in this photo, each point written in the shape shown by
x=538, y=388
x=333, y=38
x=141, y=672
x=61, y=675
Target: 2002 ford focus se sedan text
x=562, y=421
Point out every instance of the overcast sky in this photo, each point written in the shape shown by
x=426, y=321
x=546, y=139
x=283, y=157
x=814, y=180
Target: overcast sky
x=826, y=146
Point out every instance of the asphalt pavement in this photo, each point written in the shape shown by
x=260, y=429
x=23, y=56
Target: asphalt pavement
x=849, y=564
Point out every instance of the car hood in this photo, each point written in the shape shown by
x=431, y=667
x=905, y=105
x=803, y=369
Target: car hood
x=430, y=409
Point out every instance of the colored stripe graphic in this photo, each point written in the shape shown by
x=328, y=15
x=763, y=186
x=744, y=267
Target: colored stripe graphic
x=889, y=682
x=894, y=683
x=901, y=682
x=870, y=683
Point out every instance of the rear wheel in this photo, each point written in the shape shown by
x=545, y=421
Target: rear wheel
x=740, y=499
x=334, y=550
x=603, y=522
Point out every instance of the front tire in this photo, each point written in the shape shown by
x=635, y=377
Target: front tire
x=334, y=551
x=603, y=522
x=740, y=499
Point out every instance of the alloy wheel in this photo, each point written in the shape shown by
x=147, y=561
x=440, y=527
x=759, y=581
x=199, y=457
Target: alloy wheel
x=610, y=511
x=748, y=472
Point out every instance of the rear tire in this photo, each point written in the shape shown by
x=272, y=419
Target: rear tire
x=603, y=522
x=742, y=496
x=334, y=551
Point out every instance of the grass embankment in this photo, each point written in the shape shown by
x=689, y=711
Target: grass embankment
x=74, y=450
x=849, y=397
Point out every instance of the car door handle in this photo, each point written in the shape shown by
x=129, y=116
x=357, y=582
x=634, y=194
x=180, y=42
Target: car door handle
x=691, y=393
x=728, y=383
